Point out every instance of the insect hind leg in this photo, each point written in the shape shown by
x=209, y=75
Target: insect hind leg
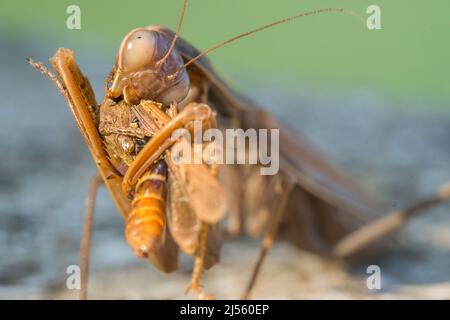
x=199, y=262
x=274, y=223
x=85, y=246
x=379, y=228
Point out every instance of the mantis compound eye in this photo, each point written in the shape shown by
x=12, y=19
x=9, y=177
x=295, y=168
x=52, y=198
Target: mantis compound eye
x=136, y=53
x=137, y=50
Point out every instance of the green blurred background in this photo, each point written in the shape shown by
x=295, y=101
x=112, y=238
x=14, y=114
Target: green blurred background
x=407, y=57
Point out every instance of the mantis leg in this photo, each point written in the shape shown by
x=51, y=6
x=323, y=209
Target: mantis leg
x=370, y=233
x=77, y=91
x=267, y=242
x=162, y=141
x=199, y=262
x=85, y=246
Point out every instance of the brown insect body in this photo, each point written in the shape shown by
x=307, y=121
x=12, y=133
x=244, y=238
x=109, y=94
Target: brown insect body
x=124, y=137
x=115, y=130
x=143, y=59
x=314, y=204
x=334, y=205
x=341, y=206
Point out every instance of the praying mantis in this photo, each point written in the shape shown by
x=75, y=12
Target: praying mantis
x=160, y=83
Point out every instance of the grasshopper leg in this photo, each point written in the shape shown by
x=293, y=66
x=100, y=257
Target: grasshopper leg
x=154, y=149
x=273, y=223
x=162, y=141
x=199, y=261
x=85, y=246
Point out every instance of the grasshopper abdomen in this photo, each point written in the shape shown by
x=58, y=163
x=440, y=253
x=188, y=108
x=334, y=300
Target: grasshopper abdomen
x=146, y=221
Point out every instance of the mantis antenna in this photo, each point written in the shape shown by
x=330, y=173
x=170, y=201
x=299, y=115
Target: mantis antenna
x=177, y=34
x=272, y=24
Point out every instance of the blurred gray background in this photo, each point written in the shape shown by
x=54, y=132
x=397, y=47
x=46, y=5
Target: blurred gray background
x=376, y=105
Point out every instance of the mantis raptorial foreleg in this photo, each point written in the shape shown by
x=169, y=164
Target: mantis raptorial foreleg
x=162, y=141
